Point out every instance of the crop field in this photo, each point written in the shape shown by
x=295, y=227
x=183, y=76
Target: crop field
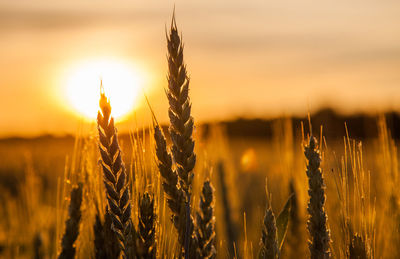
x=323, y=185
x=37, y=176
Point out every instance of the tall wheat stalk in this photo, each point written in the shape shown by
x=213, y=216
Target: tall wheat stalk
x=115, y=178
x=178, y=177
x=181, y=127
x=72, y=224
x=317, y=223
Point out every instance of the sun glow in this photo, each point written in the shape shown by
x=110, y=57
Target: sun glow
x=121, y=82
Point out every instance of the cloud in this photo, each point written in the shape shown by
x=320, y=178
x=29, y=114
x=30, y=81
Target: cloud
x=12, y=19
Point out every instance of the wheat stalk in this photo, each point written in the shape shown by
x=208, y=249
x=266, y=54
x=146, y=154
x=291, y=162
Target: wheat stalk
x=147, y=227
x=115, y=178
x=206, y=222
x=269, y=240
x=72, y=224
x=175, y=195
x=317, y=223
x=179, y=112
x=177, y=182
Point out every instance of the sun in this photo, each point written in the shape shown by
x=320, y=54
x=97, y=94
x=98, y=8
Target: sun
x=121, y=82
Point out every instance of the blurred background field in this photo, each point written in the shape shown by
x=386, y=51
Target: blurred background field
x=239, y=154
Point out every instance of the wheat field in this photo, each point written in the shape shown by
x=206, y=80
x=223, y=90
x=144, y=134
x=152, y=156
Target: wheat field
x=188, y=190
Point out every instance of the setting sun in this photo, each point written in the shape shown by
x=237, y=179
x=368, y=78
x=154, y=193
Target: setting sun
x=121, y=82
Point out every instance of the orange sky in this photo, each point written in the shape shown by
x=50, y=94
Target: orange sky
x=245, y=58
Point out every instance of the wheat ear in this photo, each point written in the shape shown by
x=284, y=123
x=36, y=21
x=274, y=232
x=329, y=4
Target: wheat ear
x=317, y=223
x=206, y=222
x=177, y=183
x=175, y=195
x=106, y=244
x=147, y=227
x=179, y=112
x=115, y=178
x=181, y=128
x=358, y=248
x=72, y=224
x=269, y=239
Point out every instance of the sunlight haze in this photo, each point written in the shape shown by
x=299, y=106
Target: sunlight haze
x=120, y=81
x=245, y=58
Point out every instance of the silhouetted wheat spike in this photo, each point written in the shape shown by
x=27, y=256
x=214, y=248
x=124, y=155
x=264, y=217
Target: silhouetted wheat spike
x=317, y=222
x=175, y=195
x=358, y=248
x=72, y=224
x=147, y=227
x=106, y=244
x=269, y=238
x=181, y=127
x=115, y=178
x=205, y=230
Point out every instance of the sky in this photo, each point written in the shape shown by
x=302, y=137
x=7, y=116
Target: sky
x=245, y=58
